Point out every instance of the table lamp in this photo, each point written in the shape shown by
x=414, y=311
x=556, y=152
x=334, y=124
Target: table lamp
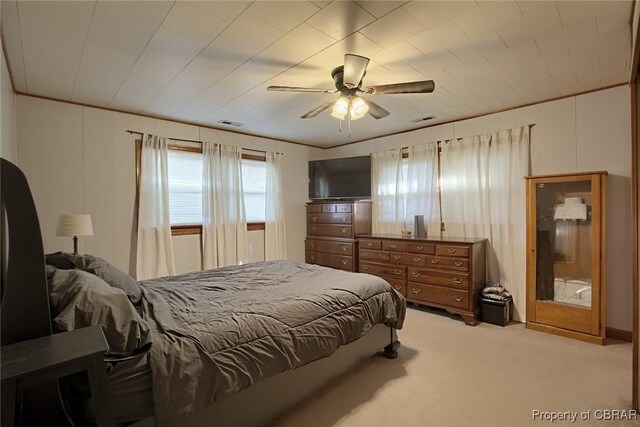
x=74, y=225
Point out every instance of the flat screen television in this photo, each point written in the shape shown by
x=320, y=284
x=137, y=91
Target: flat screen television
x=346, y=178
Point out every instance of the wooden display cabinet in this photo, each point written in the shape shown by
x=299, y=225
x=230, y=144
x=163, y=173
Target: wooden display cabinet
x=566, y=255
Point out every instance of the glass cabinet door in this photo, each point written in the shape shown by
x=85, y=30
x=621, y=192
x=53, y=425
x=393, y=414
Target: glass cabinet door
x=564, y=238
x=565, y=260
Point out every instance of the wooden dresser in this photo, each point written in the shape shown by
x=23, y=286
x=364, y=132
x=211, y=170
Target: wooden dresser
x=445, y=273
x=332, y=228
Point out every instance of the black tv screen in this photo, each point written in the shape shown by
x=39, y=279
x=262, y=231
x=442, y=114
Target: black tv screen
x=347, y=178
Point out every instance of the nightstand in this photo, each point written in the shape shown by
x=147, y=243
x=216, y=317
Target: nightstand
x=32, y=362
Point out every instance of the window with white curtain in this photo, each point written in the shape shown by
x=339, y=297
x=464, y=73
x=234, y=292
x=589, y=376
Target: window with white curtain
x=185, y=188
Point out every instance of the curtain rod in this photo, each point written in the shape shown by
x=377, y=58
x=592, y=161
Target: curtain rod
x=194, y=141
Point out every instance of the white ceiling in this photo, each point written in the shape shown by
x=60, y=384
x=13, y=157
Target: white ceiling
x=204, y=62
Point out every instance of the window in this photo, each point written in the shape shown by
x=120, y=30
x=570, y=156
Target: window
x=185, y=188
x=254, y=184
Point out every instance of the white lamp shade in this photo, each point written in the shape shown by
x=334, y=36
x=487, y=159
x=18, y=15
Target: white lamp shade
x=340, y=108
x=74, y=225
x=358, y=108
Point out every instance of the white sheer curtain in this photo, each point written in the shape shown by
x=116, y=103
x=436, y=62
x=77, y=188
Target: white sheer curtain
x=422, y=187
x=224, y=225
x=154, y=253
x=275, y=239
x=483, y=196
x=386, y=191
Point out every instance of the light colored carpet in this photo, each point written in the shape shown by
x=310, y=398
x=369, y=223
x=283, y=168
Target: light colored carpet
x=450, y=374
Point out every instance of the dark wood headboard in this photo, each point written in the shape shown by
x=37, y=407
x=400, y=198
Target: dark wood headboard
x=25, y=297
x=24, y=306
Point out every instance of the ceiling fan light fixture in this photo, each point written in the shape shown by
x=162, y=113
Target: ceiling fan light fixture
x=340, y=108
x=358, y=108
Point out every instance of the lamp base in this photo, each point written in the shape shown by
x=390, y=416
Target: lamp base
x=75, y=245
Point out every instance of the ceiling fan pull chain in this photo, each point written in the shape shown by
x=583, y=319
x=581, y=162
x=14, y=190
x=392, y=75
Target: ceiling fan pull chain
x=349, y=119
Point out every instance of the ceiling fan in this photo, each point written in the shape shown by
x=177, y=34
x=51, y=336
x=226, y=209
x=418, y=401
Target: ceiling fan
x=348, y=81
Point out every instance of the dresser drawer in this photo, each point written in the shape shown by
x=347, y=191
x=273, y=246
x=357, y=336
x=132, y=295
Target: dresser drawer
x=430, y=277
x=330, y=260
x=383, y=270
x=438, y=295
x=398, y=285
x=370, y=244
x=380, y=256
x=449, y=263
x=394, y=246
x=314, y=208
x=452, y=250
x=329, y=247
x=328, y=208
x=408, y=259
x=421, y=248
x=333, y=230
x=343, y=208
x=329, y=218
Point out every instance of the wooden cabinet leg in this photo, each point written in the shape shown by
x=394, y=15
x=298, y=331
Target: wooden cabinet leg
x=99, y=395
x=469, y=319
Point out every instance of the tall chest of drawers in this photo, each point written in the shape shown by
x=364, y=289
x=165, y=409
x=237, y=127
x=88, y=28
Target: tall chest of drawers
x=444, y=273
x=332, y=228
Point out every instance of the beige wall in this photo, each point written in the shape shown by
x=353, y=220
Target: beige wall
x=583, y=133
x=8, y=144
x=81, y=160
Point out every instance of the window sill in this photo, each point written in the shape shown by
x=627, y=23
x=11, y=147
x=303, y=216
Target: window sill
x=187, y=230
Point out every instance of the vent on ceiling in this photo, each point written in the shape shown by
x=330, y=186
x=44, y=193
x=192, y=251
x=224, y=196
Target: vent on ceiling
x=230, y=123
x=423, y=119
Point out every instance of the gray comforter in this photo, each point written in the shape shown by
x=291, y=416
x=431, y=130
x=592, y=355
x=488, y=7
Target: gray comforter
x=216, y=332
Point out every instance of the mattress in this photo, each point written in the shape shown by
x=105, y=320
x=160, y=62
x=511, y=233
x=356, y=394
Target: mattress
x=217, y=332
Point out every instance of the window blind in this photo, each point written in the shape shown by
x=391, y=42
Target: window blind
x=185, y=187
x=254, y=183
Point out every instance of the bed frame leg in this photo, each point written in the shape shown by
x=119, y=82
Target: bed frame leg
x=390, y=351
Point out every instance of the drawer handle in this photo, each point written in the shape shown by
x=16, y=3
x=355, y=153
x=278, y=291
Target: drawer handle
x=345, y=262
x=314, y=219
x=393, y=246
x=457, y=281
x=397, y=288
x=365, y=267
x=369, y=244
x=415, y=291
x=452, y=251
x=419, y=248
x=434, y=261
x=345, y=219
x=313, y=257
x=458, y=299
x=381, y=256
x=312, y=244
x=416, y=274
x=417, y=259
x=344, y=248
x=344, y=230
x=396, y=257
x=458, y=263
x=314, y=228
x=397, y=272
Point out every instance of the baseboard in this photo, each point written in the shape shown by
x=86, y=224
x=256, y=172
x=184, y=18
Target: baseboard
x=619, y=334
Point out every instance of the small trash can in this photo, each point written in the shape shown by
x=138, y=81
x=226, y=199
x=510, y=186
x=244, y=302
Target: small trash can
x=497, y=312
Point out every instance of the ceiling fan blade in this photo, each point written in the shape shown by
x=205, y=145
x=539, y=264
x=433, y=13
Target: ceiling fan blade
x=311, y=114
x=354, y=69
x=424, y=86
x=299, y=89
x=376, y=111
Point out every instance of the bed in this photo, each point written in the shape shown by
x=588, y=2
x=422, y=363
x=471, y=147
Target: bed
x=214, y=343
